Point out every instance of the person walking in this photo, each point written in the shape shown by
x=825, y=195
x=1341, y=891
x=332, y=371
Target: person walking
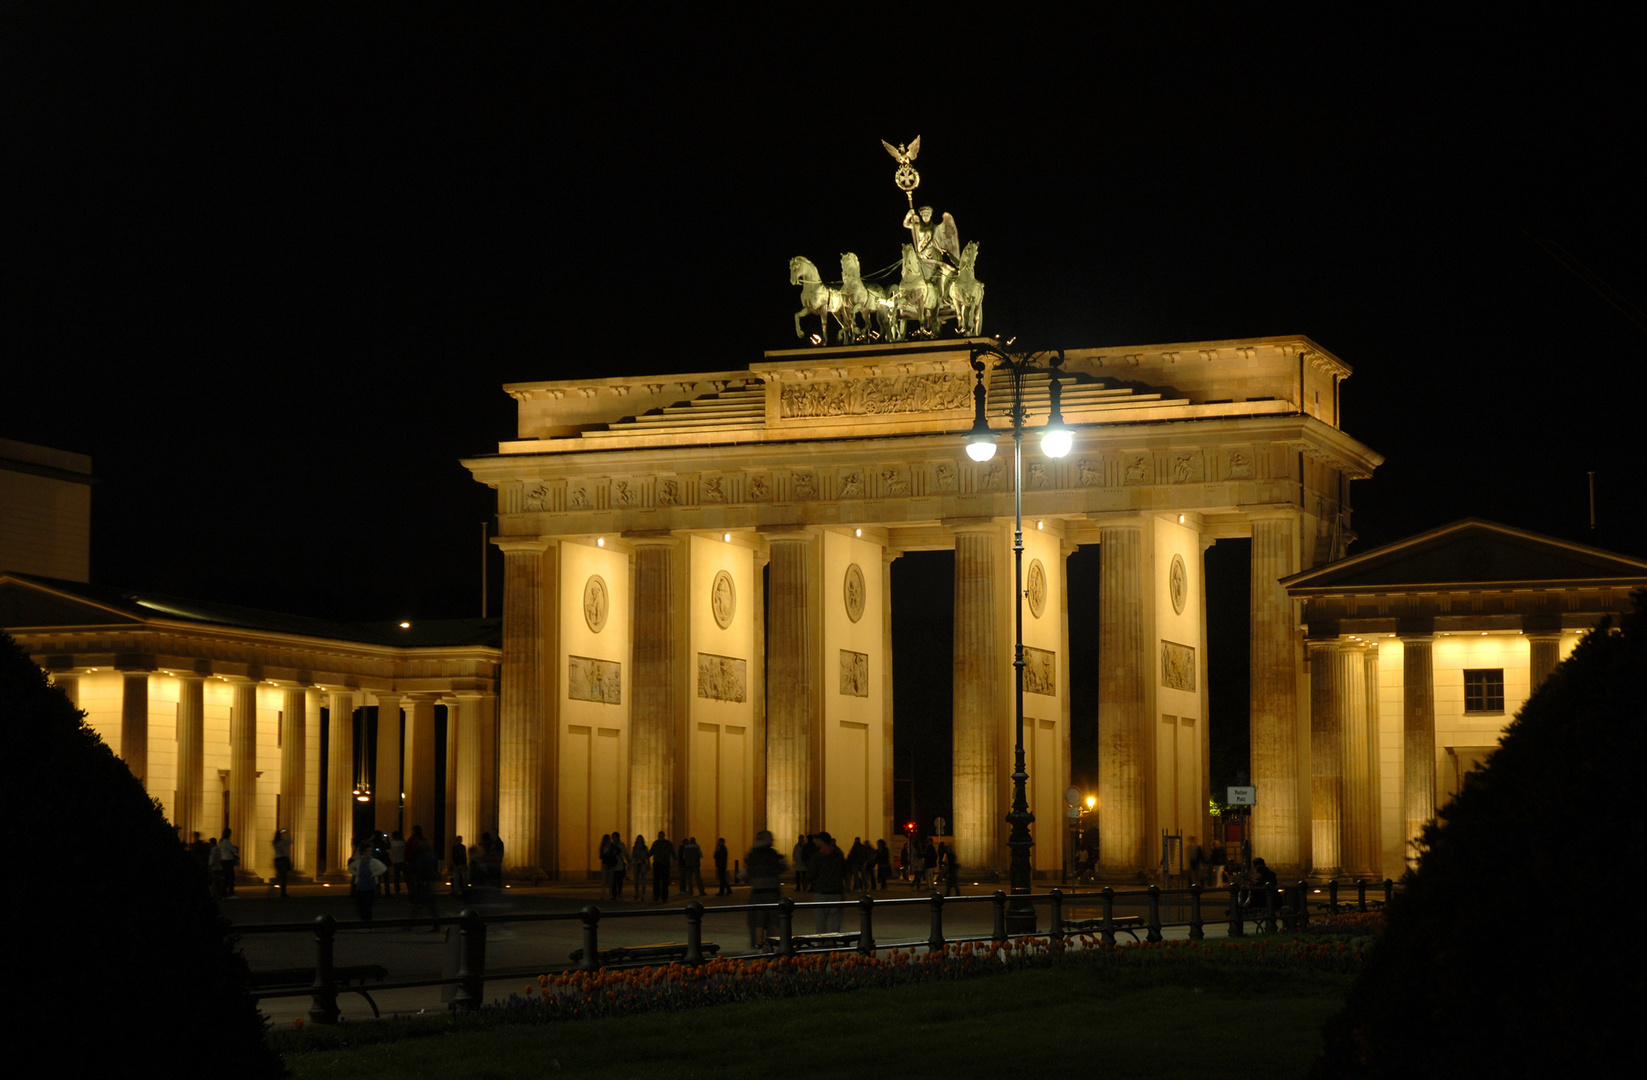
x=663, y=856
x=607, y=861
x=640, y=861
x=952, y=873
x=798, y=856
x=883, y=864
x=826, y=873
x=397, y=861
x=723, y=884
x=765, y=868
x=282, y=844
x=214, y=868
x=1194, y=860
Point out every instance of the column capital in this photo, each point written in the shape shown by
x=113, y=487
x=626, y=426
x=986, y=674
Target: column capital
x=534, y=544
x=787, y=532
x=1415, y=629
x=651, y=538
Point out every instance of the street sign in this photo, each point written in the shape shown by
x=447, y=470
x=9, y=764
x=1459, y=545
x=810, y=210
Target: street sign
x=1243, y=796
x=1074, y=811
x=1072, y=796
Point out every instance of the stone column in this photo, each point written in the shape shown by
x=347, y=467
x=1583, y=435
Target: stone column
x=340, y=781
x=1124, y=666
x=448, y=828
x=657, y=685
x=981, y=661
x=1418, y=732
x=69, y=684
x=757, y=691
x=468, y=810
x=134, y=723
x=421, y=766
x=1543, y=654
x=888, y=826
x=191, y=754
x=387, y=783
x=294, y=741
x=1374, y=836
x=243, y=769
x=792, y=680
x=1277, y=820
x=523, y=756
x=1327, y=699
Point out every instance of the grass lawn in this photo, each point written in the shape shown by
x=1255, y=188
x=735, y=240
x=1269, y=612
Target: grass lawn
x=1184, y=1021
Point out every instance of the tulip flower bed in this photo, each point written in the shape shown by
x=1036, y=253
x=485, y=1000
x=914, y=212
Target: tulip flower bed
x=579, y=995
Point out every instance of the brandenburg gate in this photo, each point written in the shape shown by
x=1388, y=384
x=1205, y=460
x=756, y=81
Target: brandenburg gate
x=697, y=610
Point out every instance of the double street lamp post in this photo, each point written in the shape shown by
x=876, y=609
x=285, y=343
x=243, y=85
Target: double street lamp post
x=1055, y=443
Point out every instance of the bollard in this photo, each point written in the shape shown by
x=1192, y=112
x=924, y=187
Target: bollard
x=694, y=932
x=1000, y=917
x=471, y=961
x=1196, y=931
x=1269, y=909
x=866, y=925
x=323, y=994
x=1332, y=896
x=1056, y=930
x=591, y=939
x=1389, y=892
x=1361, y=894
x=786, y=926
x=935, y=940
x=1108, y=931
x=1154, y=933
x=1238, y=918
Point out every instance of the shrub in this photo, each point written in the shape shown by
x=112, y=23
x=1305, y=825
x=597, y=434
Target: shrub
x=1503, y=952
x=120, y=957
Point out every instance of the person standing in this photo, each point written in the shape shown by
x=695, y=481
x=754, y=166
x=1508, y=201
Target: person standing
x=826, y=873
x=282, y=859
x=883, y=864
x=1216, y=863
x=952, y=873
x=691, y=867
x=765, y=868
x=723, y=884
x=460, y=867
x=663, y=857
x=364, y=872
x=620, y=864
x=214, y=868
x=1194, y=859
x=228, y=859
x=798, y=856
x=397, y=862
x=640, y=861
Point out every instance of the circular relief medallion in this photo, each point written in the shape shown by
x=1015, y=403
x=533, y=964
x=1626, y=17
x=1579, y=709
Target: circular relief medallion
x=852, y=591
x=1177, y=581
x=595, y=602
x=723, y=599
x=1035, y=587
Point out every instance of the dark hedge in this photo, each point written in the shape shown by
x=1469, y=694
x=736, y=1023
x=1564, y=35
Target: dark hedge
x=1513, y=948
x=119, y=956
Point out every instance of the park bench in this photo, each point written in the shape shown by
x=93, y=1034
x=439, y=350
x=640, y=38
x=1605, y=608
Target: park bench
x=1124, y=924
x=837, y=940
x=348, y=979
x=646, y=954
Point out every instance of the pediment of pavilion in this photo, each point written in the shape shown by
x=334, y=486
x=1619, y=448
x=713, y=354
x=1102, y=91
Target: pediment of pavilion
x=28, y=602
x=1469, y=556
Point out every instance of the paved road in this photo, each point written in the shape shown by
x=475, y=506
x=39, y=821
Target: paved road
x=521, y=948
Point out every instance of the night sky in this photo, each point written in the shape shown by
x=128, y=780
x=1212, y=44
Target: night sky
x=271, y=274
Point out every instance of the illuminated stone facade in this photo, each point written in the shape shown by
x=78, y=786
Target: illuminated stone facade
x=802, y=478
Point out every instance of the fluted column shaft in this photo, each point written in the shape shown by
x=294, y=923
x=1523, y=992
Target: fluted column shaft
x=468, y=810
x=1374, y=838
x=1276, y=758
x=885, y=820
x=294, y=738
x=243, y=770
x=1543, y=654
x=421, y=766
x=1418, y=732
x=191, y=755
x=980, y=663
x=448, y=818
x=387, y=783
x=1123, y=726
x=1327, y=706
x=134, y=724
x=340, y=780
x=792, y=696
x=528, y=572
x=657, y=686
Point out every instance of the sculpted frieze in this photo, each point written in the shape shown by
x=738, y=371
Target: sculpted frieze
x=722, y=678
x=875, y=396
x=852, y=484
x=943, y=474
x=854, y=673
x=1177, y=666
x=588, y=679
x=1139, y=469
x=1040, y=672
x=1186, y=467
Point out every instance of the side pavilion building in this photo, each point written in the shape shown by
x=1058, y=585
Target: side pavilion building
x=697, y=611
